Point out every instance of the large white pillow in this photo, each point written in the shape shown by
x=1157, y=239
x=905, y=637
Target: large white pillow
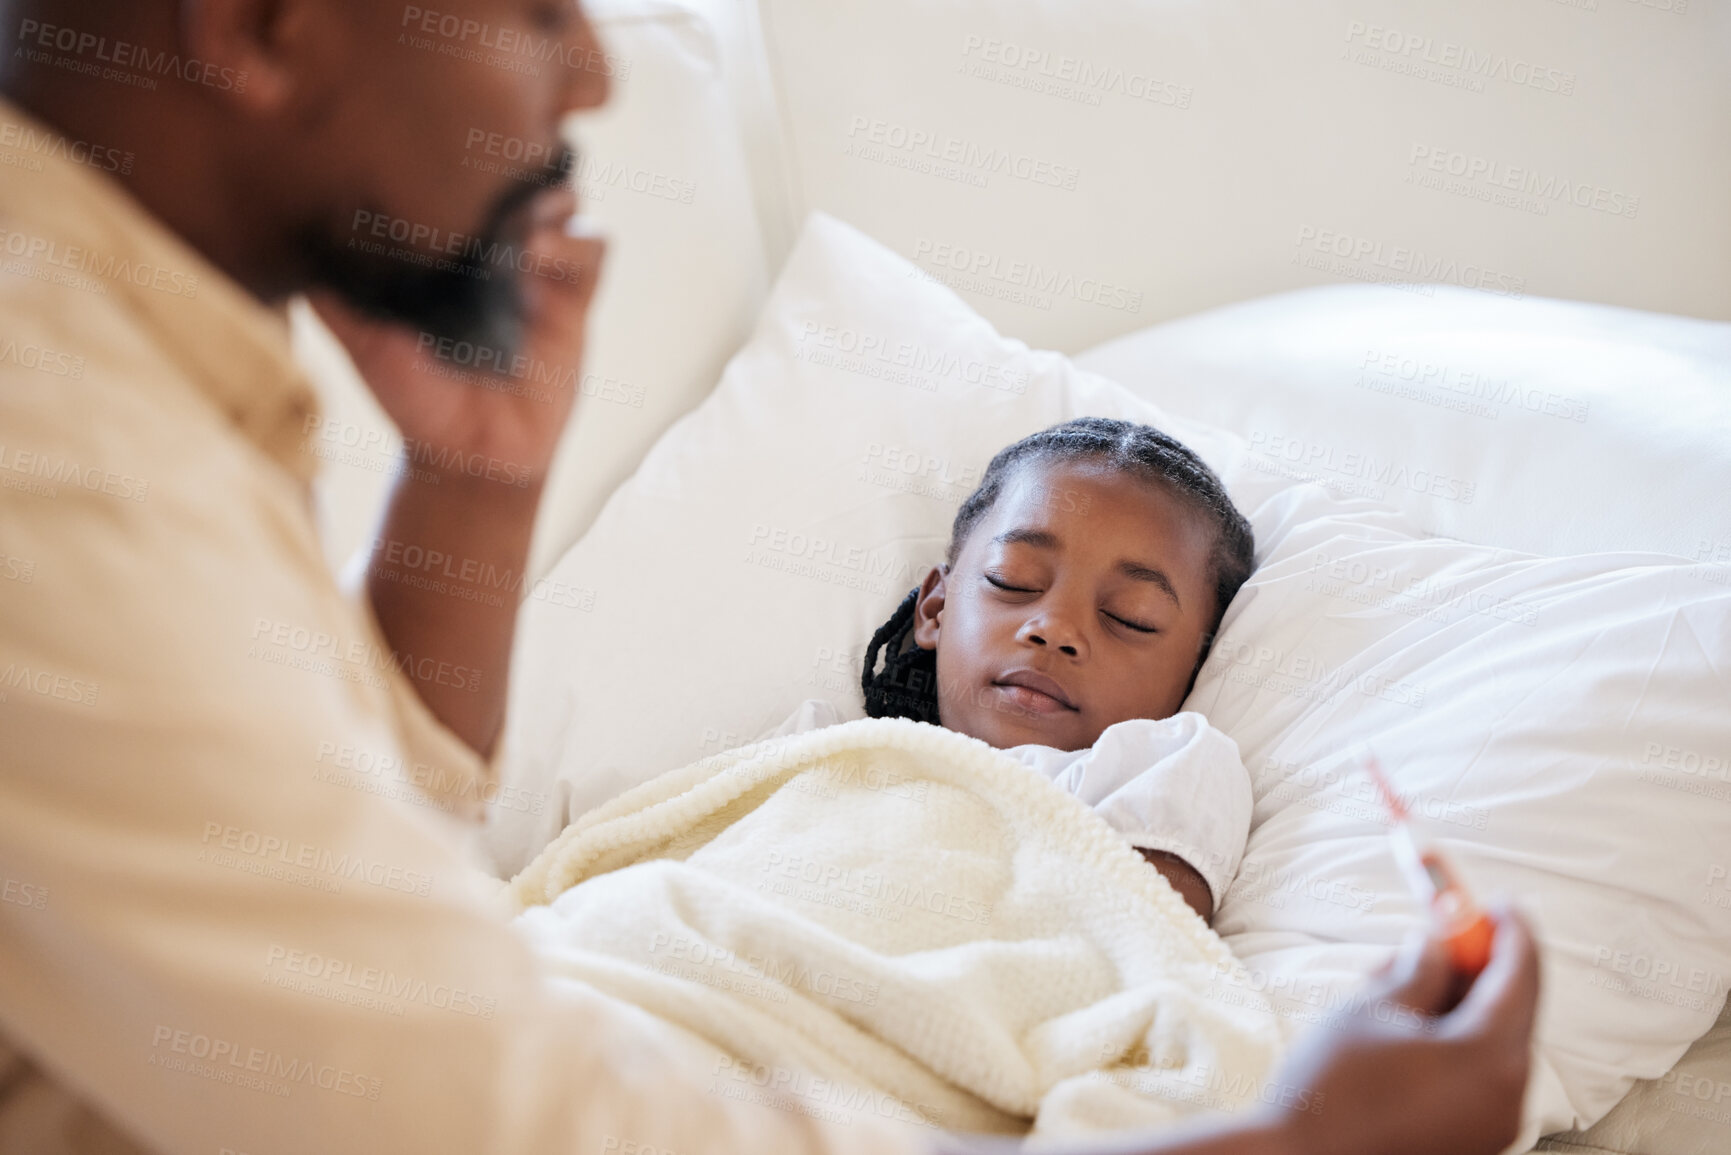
x=1557, y=724
x=1548, y=426
x=770, y=531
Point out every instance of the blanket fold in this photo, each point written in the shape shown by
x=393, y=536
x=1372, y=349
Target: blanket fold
x=894, y=918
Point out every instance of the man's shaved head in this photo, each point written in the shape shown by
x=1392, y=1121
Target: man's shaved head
x=353, y=145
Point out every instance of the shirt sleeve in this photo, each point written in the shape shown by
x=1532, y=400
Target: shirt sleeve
x=1175, y=784
x=812, y=714
x=233, y=918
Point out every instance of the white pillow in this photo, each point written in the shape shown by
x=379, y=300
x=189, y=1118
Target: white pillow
x=1548, y=426
x=1558, y=725
x=769, y=532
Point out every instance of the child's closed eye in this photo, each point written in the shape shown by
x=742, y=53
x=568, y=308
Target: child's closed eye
x=1004, y=584
x=1137, y=626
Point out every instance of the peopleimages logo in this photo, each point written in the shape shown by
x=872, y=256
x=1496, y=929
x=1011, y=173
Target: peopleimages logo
x=433, y=247
x=1058, y=74
x=917, y=471
x=1391, y=262
x=962, y=267
x=325, y=976
x=86, y=53
x=878, y=895
x=512, y=48
x=1670, y=981
x=1496, y=177
x=921, y=360
x=352, y=659
x=766, y=968
x=224, y=845
x=1427, y=373
x=228, y=1061
x=48, y=684
x=1410, y=51
x=32, y=249
x=984, y=160
x=1383, y=472
x=38, y=143
x=54, y=471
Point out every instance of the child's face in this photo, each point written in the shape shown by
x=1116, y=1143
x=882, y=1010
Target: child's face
x=1050, y=587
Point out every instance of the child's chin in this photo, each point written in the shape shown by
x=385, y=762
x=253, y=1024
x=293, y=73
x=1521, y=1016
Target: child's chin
x=1005, y=730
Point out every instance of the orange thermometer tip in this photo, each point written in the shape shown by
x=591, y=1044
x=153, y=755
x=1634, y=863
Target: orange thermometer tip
x=1470, y=945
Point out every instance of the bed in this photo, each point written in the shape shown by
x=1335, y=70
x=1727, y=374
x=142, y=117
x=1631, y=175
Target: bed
x=1489, y=524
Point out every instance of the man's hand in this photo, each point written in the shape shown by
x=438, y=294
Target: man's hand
x=1394, y=1078
x=479, y=444
x=510, y=411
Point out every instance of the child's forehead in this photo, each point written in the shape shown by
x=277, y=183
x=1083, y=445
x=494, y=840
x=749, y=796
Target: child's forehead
x=1054, y=494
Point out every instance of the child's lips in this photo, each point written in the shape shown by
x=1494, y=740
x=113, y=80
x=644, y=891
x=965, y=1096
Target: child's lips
x=1033, y=701
x=1034, y=692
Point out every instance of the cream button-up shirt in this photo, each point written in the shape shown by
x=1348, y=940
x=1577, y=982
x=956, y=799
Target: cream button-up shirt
x=240, y=905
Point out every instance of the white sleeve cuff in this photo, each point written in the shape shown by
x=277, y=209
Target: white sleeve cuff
x=1175, y=784
x=812, y=714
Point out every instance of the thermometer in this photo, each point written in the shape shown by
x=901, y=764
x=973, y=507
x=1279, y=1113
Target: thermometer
x=1468, y=929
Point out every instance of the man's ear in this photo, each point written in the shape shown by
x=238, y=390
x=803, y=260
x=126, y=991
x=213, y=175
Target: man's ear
x=257, y=46
x=928, y=606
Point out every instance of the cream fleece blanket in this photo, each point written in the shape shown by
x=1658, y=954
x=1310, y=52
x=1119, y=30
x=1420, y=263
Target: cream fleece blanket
x=894, y=919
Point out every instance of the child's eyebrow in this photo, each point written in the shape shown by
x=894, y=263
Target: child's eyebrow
x=1158, y=578
x=1135, y=571
x=1039, y=538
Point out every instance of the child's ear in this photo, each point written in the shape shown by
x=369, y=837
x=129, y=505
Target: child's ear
x=928, y=606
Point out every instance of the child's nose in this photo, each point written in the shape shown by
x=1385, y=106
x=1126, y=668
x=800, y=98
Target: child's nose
x=1049, y=632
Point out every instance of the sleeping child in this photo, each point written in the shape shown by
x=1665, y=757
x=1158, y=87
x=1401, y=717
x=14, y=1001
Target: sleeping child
x=1085, y=579
x=903, y=911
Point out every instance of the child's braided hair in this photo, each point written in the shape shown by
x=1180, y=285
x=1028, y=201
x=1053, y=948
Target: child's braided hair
x=907, y=686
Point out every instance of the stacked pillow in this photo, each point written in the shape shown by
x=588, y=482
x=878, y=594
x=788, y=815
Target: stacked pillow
x=1555, y=724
